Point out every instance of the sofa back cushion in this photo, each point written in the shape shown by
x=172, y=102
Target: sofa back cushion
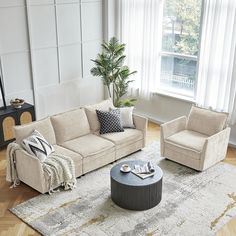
x=206, y=121
x=44, y=126
x=92, y=116
x=70, y=125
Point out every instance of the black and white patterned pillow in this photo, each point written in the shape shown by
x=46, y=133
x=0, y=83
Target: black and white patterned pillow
x=110, y=121
x=37, y=145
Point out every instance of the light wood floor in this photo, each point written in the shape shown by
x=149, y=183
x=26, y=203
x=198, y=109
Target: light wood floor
x=10, y=225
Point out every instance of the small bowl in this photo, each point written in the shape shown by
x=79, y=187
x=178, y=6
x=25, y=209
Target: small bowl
x=17, y=103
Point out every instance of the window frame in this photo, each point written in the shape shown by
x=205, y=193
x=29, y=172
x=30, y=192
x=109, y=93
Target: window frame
x=186, y=57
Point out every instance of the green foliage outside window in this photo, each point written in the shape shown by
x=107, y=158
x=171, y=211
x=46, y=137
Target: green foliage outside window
x=181, y=26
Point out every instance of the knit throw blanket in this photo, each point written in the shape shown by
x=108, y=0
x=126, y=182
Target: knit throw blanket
x=58, y=169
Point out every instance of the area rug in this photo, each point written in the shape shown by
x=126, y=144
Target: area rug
x=193, y=203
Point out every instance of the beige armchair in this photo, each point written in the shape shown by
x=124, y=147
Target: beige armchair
x=199, y=141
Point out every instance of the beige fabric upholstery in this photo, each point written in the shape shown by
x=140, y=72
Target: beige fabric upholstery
x=182, y=150
x=91, y=113
x=88, y=151
x=206, y=121
x=141, y=123
x=126, y=142
x=98, y=160
x=215, y=148
x=30, y=171
x=174, y=126
x=89, y=145
x=70, y=125
x=191, y=148
x=34, y=176
x=170, y=128
x=95, y=150
x=76, y=157
x=43, y=126
x=190, y=159
x=124, y=138
x=128, y=149
x=188, y=139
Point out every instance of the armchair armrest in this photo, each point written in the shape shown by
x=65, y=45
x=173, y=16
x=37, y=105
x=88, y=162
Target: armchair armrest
x=141, y=123
x=30, y=170
x=173, y=126
x=170, y=128
x=215, y=148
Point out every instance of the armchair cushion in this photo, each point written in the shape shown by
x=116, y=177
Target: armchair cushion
x=188, y=139
x=206, y=121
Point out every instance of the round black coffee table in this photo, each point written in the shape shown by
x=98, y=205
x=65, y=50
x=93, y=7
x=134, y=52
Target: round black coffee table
x=131, y=192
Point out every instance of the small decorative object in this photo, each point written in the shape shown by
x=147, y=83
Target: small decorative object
x=125, y=168
x=17, y=102
x=3, y=95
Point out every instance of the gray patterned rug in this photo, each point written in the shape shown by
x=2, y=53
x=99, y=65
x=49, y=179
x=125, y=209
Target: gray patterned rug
x=193, y=203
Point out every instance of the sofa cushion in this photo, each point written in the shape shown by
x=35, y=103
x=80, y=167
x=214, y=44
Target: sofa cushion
x=76, y=157
x=91, y=113
x=70, y=125
x=44, y=126
x=125, y=138
x=109, y=121
x=188, y=139
x=206, y=121
x=88, y=145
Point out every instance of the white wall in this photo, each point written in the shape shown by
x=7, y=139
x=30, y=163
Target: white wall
x=45, y=52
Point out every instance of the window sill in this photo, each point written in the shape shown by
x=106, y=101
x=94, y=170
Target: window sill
x=174, y=96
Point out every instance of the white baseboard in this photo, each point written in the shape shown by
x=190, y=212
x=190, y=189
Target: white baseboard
x=231, y=144
x=150, y=117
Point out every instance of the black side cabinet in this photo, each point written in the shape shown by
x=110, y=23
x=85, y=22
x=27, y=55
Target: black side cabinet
x=14, y=116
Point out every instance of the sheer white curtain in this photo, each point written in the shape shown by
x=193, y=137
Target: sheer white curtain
x=141, y=32
x=217, y=67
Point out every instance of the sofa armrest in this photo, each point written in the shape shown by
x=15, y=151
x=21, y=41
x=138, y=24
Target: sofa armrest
x=215, y=148
x=141, y=123
x=30, y=170
x=171, y=127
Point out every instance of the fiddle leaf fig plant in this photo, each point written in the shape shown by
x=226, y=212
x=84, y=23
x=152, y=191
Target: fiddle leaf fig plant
x=109, y=65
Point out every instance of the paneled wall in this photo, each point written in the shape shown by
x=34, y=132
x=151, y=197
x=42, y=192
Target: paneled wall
x=46, y=47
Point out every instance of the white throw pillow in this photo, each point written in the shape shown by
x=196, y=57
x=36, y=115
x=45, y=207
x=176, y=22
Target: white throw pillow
x=37, y=145
x=126, y=114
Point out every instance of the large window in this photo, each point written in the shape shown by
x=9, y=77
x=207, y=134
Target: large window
x=180, y=46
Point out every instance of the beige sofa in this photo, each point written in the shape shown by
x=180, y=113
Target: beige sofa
x=199, y=141
x=76, y=134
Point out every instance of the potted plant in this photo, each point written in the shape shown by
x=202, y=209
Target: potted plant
x=109, y=65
